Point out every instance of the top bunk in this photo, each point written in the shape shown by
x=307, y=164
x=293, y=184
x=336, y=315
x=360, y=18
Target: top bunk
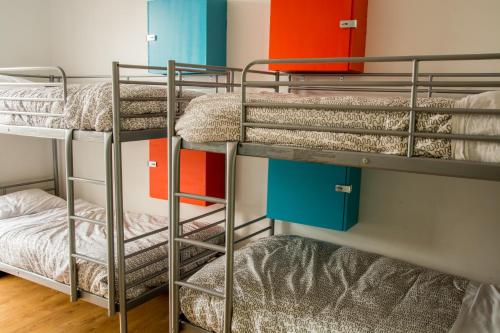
x=436, y=122
x=47, y=105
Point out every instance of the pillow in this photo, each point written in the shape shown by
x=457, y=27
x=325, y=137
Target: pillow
x=27, y=202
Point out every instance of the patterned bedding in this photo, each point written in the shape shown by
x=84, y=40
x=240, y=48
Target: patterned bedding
x=213, y=118
x=293, y=284
x=37, y=242
x=88, y=107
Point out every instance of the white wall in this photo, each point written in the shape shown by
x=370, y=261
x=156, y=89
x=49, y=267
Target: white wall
x=24, y=40
x=444, y=223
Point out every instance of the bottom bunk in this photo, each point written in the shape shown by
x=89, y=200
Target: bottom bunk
x=34, y=241
x=294, y=284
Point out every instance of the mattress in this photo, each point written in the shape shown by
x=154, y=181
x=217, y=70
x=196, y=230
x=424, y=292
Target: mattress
x=294, y=284
x=213, y=118
x=36, y=240
x=88, y=106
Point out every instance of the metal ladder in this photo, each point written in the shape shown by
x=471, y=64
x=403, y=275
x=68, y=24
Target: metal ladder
x=71, y=179
x=176, y=236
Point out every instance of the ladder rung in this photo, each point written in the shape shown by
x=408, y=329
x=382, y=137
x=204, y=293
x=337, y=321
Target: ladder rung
x=87, y=180
x=84, y=219
x=201, y=197
x=204, y=245
x=199, y=288
x=87, y=258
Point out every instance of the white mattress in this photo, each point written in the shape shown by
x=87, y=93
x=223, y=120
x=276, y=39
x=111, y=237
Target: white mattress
x=36, y=240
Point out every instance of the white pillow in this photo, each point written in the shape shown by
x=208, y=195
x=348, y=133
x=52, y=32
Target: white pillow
x=27, y=202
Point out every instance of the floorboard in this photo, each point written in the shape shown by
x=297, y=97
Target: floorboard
x=28, y=307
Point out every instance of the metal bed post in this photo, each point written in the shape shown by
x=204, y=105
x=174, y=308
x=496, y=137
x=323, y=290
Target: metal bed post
x=173, y=166
x=272, y=225
x=413, y=105
x=55, y=167
x=110, y=230
x=118, y=185
x=70, y=199
x=231, y=152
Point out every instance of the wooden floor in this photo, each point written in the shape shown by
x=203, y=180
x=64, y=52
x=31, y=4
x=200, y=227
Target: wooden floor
x=28, y=307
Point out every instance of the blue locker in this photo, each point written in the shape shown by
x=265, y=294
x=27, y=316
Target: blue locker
x=188, y=31
x=319, y=195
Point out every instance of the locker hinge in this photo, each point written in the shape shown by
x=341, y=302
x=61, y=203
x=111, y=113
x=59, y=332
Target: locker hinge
x=151, y=38
x=343, y=188
x=152, y=164
x=345, y=24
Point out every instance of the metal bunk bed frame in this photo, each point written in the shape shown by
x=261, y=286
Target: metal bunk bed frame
x=112, y=141
x=408, y=163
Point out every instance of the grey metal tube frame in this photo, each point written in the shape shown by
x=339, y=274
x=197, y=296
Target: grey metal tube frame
x=113, y=178
x=408, y=163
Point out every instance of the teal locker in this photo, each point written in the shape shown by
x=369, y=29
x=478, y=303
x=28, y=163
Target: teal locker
x=188, y=31
x=319, y=195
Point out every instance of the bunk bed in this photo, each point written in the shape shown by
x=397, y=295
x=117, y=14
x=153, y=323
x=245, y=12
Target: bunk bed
x=258, y=125
x=127, y=267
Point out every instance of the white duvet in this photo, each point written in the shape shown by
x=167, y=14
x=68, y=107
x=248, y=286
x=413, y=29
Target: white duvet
x=33, y=237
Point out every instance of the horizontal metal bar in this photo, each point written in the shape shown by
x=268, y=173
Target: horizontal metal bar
x=30, y=69
x=312, y=83
x=367, y=108
x=205, y=227
x=241, y=226
x=378, y=90
x=146, y=264
x=231, y=69
x=142, y=67
x=205, y=84
x=146, y=278
x=147, y=234
x=143, y=99
x=399, y=74
x=30, y=99
x=253, y=234
x=87, y=180
x=145, y=115
x=27, y=183
x=145, y=83
x=38, y=114
x=199, y=288
x=201, y=197
x=192, y=219
x=204, y=245
x=90, y=259
x=32, y=84
x=199, y=257
x=460, y=84
x=84, y=219
x=450, y=136
x=133, y=254
x=359, y=131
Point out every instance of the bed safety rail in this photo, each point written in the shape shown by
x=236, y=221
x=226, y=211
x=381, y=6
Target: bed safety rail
x=414, y=82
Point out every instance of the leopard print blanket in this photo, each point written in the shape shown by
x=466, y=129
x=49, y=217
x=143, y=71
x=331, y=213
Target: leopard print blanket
x=89, y=107
x=216, y=117
x=291, y=284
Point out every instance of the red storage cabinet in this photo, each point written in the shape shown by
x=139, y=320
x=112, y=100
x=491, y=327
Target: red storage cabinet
x=317, y=29
x=202, y=173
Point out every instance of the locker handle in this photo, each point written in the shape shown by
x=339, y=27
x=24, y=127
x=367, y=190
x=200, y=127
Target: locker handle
x=343, y=188
x=346, y=24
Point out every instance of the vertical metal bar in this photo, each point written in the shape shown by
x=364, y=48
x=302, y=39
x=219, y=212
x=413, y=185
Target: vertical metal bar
x=110, y=230
x=70, y=199
x=429, y=93
x=228, y=81
x=243, y=116
x=233, y=80
x=174, y=254
x=413, y=105
x=289, y=80
x=217, y=83
x=272, y=224
x=231, y=151
x=118, y=185
x=55, y=167
x=173, y=154
x=277, y=79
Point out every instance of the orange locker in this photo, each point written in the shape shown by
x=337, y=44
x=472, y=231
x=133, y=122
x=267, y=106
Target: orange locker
x=202, y=173
x=318, y=29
